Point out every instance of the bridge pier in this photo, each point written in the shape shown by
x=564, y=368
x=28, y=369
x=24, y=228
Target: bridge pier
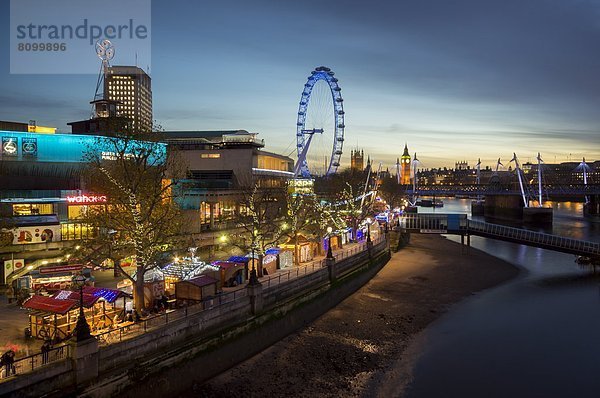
x=504, y=207
x=592, y=209
x=512, y=209
x=537, y=215
x=462, y=242
x=477, y=208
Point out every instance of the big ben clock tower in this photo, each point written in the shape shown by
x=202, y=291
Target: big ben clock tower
x=405, y=167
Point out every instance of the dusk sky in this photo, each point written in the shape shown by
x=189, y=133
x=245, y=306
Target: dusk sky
x=456, y=80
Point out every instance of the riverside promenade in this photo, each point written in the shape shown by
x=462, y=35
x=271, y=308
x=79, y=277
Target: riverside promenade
x=240, y=309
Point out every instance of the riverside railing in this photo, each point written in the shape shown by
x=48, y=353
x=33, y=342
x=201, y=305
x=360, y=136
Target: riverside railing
x=316, y=265
x=580, y=246
x=132, y=329
x=33, y=362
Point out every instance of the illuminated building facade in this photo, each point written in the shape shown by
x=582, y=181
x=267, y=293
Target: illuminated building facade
x=222, y=165
x=42, y=193
x=357, y=160
x=131, y=88
x=405, y=167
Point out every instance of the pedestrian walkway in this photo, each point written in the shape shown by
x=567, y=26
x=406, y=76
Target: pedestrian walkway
x=13, y=321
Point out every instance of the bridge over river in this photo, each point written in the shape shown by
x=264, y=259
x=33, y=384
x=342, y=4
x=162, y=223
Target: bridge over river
x=459, y=224
x=569, y=190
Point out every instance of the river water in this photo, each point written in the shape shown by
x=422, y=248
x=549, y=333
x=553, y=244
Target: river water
x=535, y=336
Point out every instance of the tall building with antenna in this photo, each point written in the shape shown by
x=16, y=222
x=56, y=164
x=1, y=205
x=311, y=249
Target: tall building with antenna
x=405, y=167
x=122, y=100
x=131, y=88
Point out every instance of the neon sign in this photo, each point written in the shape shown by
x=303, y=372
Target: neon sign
x=87, y=199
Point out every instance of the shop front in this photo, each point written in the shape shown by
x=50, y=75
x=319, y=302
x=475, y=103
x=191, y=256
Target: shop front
x=306, y=250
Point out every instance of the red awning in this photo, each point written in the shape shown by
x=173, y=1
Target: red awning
x=49, y=304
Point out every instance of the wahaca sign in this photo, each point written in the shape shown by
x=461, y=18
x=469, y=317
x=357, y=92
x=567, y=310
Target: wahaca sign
x=86, y=199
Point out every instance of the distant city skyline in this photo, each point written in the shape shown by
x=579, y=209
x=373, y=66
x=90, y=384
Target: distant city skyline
x=461, y=81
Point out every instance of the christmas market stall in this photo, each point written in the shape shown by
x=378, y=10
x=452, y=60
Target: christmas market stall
x=55, y=317
x=307, y=250
x=278, y=258
x=55, y=277
x=230, y=273
x=183, y=270
x=154, y=286
x=242, y=260
x=50, y=318
x=196, y=289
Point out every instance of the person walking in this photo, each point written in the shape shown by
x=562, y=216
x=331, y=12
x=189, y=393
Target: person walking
x=45, y=352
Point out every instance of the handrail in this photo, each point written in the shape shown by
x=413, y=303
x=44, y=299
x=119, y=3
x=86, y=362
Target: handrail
x=32, y=362
x=133, y=329
x=535, y=237
x=439, y=223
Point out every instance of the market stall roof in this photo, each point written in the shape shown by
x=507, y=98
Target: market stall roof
x=302, y=240
x=49, y=304
x=202, y=280
x=273, y=250
x=226, y=264
x=110, y=295
x=185, y=270
x=88, y=299
x=239, y=259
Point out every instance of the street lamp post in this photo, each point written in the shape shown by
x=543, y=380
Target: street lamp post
x=253, y=280
x=82, y=329
x=368, y=229
x=329, y=252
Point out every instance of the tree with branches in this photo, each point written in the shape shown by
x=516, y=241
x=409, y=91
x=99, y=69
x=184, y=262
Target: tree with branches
x=260, y=218
x=141, y=218
x=392, y=192
x=303, y=217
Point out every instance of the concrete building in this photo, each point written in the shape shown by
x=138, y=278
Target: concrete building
x=222, y=166
x=43, y=195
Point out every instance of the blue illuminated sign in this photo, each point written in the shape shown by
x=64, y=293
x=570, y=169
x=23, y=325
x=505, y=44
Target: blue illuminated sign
x=49, y=147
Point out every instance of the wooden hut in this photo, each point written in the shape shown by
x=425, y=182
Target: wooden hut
x=196, y=289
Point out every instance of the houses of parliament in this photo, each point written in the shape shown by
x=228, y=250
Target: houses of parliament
x=403, y=163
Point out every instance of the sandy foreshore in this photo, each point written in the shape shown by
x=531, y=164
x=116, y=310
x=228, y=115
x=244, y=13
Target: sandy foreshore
x=360, y=347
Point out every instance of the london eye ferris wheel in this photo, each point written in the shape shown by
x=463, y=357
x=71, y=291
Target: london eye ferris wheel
x=320, y=125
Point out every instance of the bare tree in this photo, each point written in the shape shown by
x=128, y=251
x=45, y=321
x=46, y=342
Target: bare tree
x=303, y=217
x=392, y=192
x=260, y=218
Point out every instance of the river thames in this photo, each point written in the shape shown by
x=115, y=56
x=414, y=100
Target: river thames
x=535, y=336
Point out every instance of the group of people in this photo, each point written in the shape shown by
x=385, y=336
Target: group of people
x=7, y=362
